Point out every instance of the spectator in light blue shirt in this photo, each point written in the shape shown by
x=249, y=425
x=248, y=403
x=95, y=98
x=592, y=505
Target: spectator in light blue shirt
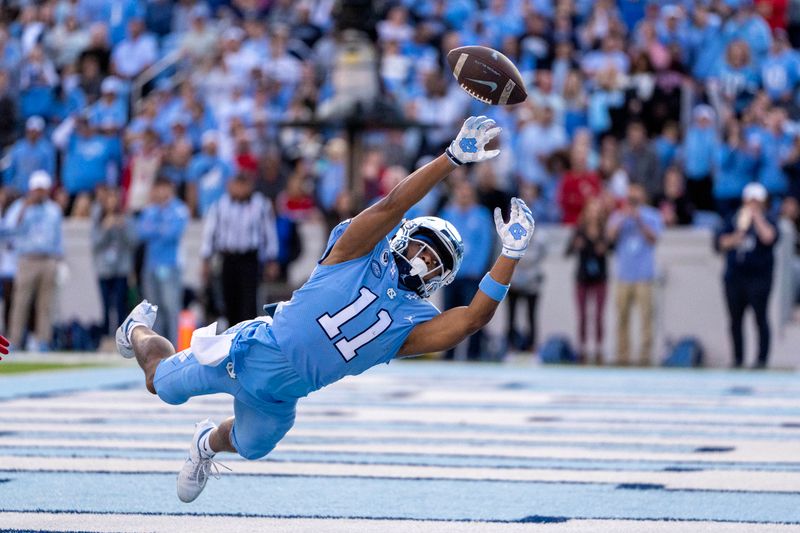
x=35, y=223
x=110, y=109
x=634, y=229
x=780, y=71
x=38, y=79
x=735, y=80
x=474, y=222
x=331, y=172
x=737, y=164
x=136, y=52
x=208, y=175
x=749, y=26
x=774, y=144
x=32, y=152
x=705, y=41
x=699, y=148
x=86, y=160
x=160, y=227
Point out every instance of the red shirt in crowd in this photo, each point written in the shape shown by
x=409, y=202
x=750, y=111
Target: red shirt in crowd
x=575, y=190
x=774, y=12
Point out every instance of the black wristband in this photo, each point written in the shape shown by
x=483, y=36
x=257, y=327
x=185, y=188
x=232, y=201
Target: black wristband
x=451, y=157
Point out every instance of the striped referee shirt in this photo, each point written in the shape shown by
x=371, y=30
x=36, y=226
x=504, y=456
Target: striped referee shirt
x=240, y=227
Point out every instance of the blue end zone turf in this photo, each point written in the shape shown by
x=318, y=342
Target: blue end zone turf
x=424, y=442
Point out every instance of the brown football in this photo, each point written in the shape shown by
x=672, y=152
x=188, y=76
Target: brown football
x=487, y=75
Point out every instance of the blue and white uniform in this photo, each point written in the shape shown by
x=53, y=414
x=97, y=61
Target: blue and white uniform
x=345, y=319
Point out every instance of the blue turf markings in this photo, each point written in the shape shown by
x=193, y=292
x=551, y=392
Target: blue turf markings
x=381, y=498
x=40, y=384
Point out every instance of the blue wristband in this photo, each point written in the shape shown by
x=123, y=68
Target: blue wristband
x=494, y=290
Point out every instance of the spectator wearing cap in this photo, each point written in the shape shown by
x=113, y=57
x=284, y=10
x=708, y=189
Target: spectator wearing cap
x=469, y=218
x=160, y=227
x=111, y=108
x=30, y=153
x=35, y=221
x=700, y=145
x=780, y=71
x=136, y=52
x=207, y=176
x=747, y=240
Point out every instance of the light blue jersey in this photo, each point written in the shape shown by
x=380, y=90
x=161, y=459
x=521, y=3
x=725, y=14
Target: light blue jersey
x=348, y=317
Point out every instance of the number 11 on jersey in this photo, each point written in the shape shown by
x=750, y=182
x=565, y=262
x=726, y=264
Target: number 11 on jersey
x=332, y=324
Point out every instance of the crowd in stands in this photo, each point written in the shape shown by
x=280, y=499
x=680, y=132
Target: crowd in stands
x=689, y=100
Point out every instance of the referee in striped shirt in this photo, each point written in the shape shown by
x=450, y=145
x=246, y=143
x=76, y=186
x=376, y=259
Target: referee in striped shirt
x=240, y=229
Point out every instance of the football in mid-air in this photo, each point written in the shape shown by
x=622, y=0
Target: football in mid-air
x=487, y=75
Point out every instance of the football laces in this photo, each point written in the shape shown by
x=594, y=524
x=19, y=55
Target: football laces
x=475, y=95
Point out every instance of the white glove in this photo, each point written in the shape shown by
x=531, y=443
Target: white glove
x=468, y=145
x=517, y=232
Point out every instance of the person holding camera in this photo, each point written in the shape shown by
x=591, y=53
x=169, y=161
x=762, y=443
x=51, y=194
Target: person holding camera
x=747, y=240
x=633, y=230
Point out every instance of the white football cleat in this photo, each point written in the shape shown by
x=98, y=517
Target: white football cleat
x=194, y=474
x=145, y=314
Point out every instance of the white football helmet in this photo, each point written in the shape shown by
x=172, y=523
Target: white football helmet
x=441, y=238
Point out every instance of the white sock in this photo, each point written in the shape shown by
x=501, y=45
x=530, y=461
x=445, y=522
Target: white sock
x=205, y=445
x=133, y=327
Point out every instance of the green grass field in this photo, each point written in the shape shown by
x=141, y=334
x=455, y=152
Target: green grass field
x=14, y=367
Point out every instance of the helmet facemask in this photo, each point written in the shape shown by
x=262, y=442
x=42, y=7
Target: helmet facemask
x=413, y=271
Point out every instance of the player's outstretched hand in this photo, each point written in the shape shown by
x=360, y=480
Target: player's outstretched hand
x=517, y=232
x=4, y=344
x=468, y=146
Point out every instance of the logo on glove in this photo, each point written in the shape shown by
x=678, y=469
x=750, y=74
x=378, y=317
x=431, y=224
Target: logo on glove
x=517, y=231
x=468, y=144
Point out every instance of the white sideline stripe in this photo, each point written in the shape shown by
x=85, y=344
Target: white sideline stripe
x=178, y=419
x=359, y=433
x=234, y=524
x=746, y=452
x=487, y=397
x=706, y=480
x=398, y=412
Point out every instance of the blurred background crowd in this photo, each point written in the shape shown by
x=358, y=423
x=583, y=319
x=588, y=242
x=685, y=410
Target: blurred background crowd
x=144, y=114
